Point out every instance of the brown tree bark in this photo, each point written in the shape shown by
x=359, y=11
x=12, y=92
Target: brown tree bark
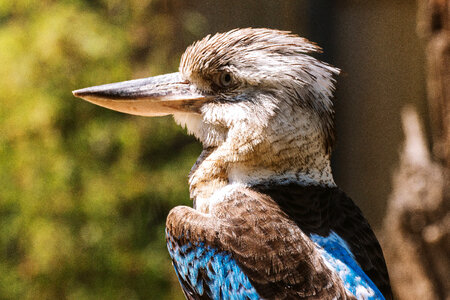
x=417, y=224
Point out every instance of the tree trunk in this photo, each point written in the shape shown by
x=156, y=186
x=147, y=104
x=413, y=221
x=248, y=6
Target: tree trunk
x=416, y=228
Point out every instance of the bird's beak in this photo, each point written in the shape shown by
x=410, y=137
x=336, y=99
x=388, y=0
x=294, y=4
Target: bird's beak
x=153, y=96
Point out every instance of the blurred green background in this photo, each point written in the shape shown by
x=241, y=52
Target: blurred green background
x=84, y=192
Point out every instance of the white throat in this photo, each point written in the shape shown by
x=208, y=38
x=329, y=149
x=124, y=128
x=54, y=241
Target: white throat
x=248, y=153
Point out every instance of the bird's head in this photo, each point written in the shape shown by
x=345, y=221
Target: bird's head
x=257, y=101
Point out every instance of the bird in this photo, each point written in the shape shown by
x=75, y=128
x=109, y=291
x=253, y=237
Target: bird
x=267, y=220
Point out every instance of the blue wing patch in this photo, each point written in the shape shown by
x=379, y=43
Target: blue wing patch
x=338, y=256
x=204, y=271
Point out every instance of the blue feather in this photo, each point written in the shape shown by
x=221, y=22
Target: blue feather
x=339, y=257
x=208, y=271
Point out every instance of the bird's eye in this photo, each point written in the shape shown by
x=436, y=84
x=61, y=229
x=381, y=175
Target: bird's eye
x=225, y=79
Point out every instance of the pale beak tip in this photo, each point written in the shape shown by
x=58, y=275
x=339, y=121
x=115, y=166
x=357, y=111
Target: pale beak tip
x=89, y=92
x=79, y=93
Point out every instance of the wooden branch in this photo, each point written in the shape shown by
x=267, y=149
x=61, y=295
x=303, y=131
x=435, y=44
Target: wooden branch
x=434, y=28
x=416, y=228
x=416, y=234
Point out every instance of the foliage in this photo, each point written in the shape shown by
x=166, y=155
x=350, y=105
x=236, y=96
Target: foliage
x=84, y=192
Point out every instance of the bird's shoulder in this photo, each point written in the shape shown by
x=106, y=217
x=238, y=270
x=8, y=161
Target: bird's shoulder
x=205, y=268
x=206, y=272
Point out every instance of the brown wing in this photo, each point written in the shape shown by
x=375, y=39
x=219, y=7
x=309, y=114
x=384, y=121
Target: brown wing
x=319, y=210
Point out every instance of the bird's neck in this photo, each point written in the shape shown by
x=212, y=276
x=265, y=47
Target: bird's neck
x=267, y=158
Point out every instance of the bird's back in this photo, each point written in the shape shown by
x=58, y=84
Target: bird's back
x=266, y=242
x=323, y=213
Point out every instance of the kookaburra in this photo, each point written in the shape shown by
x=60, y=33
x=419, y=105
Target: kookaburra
x=268, y=221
